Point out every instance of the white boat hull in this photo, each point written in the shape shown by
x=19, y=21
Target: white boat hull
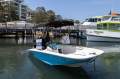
x=82, y=55
x=102, y=39
x=102, y=35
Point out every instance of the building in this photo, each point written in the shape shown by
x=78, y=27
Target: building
x=30, y=14
x=23, y=12
x=13, y=10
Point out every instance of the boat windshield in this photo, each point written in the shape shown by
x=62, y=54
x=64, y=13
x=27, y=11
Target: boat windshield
x=93, y=19
x=116, y=18
x=54, y=46
x=105, y=18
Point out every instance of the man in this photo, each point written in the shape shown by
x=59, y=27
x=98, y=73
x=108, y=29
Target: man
x=65, y=39
x=45, y=40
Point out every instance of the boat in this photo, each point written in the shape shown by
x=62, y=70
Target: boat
x=108, y=29
x=65, y=54
x=92, y=21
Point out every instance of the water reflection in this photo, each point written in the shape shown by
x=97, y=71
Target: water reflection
x=17, y=41
x=25, y=40
x=15, y=64
x=10, y=60
x=112, y=60
x=58, y=72
x=107, y=47
x=102, y=44
x=107, y=67
x=77, y=41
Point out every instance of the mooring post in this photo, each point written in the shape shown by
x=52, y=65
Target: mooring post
x=78, y=34
x=16, y=35
x=94, y=67
x=23, y=34
x=25, y=29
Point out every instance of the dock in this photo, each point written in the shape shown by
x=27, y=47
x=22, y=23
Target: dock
x=74, y=31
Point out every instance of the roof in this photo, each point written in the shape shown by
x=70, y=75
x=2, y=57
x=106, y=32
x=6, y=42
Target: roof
x=97, y=17
x=60, y=23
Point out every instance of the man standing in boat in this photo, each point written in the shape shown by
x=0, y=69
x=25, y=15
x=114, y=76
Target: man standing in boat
x=65, y=39
x=45, y=40
x=42, y=40
x=38, y=40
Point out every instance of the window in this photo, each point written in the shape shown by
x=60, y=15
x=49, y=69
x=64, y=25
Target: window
x=90, y=20
x=106, y=18
x=99, y=26
x=114, y=26
x=102, y=26
x=99, y=19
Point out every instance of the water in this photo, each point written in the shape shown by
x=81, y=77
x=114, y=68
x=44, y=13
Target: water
x=16, y=63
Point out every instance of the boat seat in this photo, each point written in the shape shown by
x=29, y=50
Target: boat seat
x=51, y=49
x=64, y=49
x=68, y=49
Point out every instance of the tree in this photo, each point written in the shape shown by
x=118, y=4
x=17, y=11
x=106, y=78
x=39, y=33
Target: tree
x=77, y=21
x=40, y=18
x=51, y=15
x=58, y=17
x=41, y=15
x=41, y=9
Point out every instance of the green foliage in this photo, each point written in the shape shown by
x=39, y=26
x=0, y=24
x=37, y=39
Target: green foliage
x=51, y=15
x=77, y=21
x=41, y=15
x=58, y=17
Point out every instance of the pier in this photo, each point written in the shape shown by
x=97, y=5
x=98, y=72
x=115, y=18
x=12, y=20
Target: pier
x=57, y=27
x=29, y=32
x=15, y=32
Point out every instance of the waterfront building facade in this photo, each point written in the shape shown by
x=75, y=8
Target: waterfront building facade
x=30, y=14
x=12, y=10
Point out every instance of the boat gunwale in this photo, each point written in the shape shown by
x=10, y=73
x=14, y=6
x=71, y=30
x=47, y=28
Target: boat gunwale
x=68, y=55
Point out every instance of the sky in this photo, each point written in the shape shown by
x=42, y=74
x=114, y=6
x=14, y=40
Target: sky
x=77, y=9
